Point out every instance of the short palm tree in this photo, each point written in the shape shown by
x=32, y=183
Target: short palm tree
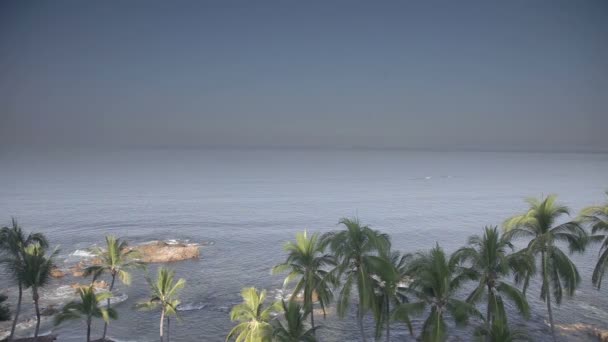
x=352, y=248
x=36, y=273
x=307, y=264
x=88, y=308
x=164, y=294
x=13, y=241
x=488, y=257
x=116, y=260
x=253, y=316
x=540, y=225
x=294, y=329
x=389, y=272
x=597, y=218
x=499, y=331
x=435, y=281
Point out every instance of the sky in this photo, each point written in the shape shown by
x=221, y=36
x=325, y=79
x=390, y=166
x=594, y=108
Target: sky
x=510, y=75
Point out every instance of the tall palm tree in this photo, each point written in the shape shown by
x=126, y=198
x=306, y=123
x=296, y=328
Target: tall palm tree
x=597, y=218
x=115, y=260
x=435, y=281
x=307, y=263
x=294, y=329
x=87, y=308
x=488, y=257
x=389, y=272
x=36, y=273
x=352, y=248
x=253, y=316
x=13, y=241
x=164, y=294
x=540, y=225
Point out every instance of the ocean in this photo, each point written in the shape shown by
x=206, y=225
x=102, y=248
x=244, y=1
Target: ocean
x=244, y=204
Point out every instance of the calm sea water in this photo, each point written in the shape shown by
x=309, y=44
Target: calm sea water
x=246, y=203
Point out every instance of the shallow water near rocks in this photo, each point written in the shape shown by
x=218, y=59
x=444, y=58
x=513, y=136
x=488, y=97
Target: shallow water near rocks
x=244, y=204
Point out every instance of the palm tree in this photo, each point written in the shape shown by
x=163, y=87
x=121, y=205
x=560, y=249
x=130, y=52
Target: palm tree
x=435, y=281
x=88, y=307
x=253, y=316
x=164, y=294
x=390, y=283
x=116, y=259
x=489, y=260
x=295, y=329
x=352, y=248
x=306, y=261
x=597, y=218
x=499, y=331
x=13, y=241
x=539, y=224
x=36, y=273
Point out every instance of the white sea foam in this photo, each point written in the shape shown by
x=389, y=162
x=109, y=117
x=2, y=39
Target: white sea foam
x=191, y=306
x=82, y=253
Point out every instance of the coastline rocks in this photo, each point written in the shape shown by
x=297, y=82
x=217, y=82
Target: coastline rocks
x=57, y=273
x=97, y=285
x=160, y=251
x=78, y=270
x=587, y=329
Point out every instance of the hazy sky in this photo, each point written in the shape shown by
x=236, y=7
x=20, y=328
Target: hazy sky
x=454, y=74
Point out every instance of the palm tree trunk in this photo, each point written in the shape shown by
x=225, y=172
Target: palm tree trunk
x=168, y=327
x=489, y=317
x=360, y=320
x=89, y=329
x=36, y=297
x=548, y=293
x=105, y=324
x=162, y=322
x=388, y=319
x=17, y=311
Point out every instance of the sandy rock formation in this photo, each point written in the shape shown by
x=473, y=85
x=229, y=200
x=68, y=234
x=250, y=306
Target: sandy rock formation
x=159, y=251
x=600, y=335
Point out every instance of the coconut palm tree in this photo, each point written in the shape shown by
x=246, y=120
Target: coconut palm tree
x=307, y=264
x=488, y=257
x=116, y=260
x=253, y=316
x=597, y=218
x=13, y=241
x=435, y=281
x=389, y=274
x=540, y=225
x=36, y=273
x=352, y=248
x=88, y=308
x=164, y=294
x=499, y=331
x=295, y=329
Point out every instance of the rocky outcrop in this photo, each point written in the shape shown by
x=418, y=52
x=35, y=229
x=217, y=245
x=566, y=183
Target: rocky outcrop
x=57, y=273
x=97, y=285
x=600, y=335
x=159, y=251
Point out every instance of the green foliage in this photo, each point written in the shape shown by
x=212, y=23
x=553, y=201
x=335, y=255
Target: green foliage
x=539, y=225
x=499, y=331
x=115, y=260
x=254, y=317
x=307, y=263
x=5, y=313
x=596, y=217
x=490, y=260
x=294, y=327
x=435, y=281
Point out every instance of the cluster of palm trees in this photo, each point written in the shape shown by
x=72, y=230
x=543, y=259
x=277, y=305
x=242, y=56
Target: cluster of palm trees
x=356, y=265
x=27, y=259
x=392, y=287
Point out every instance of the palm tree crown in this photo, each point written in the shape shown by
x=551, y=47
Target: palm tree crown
x=434, y=283
x=597, y=218
x=253, y=316
x=88, y=308
x=306, y=261
x=539, y=224
x=490, y=261
x=294, y=329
